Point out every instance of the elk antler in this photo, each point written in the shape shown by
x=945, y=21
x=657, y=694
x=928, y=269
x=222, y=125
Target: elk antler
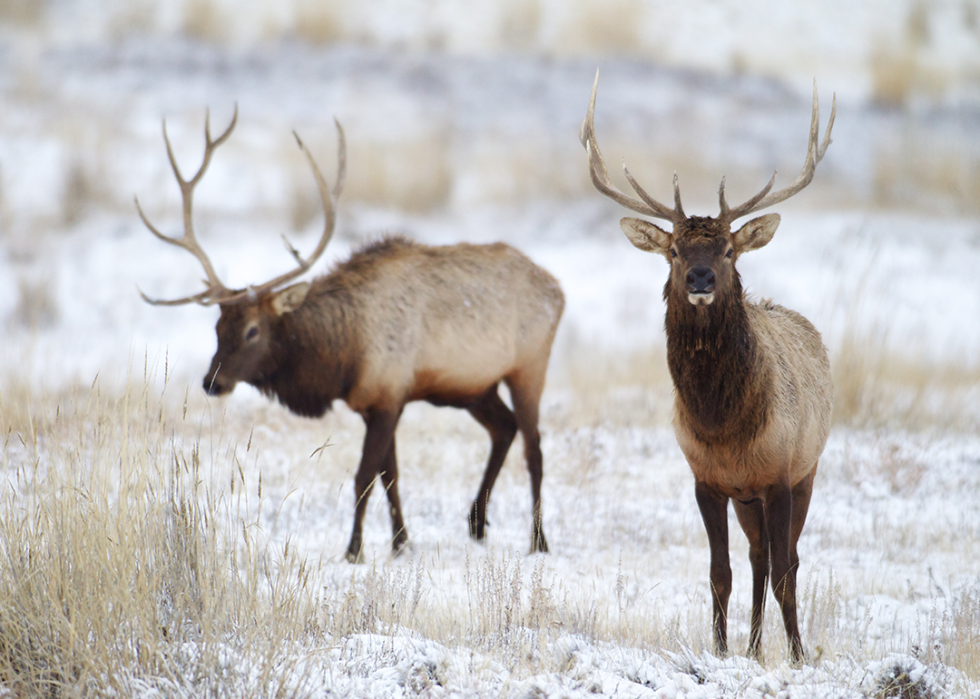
x=188, y=241
x=814, y=155
x=600, y=177
x=217, y=292
x=329, y=211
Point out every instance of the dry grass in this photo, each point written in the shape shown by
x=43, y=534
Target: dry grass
x=875, y=386
x=628, y=388
x=205, y=20
x=36, y=305
x=412, y=175
x=319, y=21
x=927, y=173
x=131, y=560
x=125, y=567
x=25, y=13
x=898, y=69
x=589, y=28
x=115, y=559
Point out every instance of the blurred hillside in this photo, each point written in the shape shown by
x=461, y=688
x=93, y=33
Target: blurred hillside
x=897, y=51
x=451, y=104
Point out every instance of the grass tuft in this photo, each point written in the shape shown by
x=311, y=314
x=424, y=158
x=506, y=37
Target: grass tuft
x=116, y=561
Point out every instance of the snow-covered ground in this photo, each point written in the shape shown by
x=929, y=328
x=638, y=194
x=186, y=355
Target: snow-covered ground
x=463, y=138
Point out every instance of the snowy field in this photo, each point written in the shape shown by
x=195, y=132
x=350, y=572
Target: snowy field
x=124, y=485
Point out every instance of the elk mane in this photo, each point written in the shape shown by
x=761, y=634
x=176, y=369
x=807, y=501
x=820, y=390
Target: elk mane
x=719, y=379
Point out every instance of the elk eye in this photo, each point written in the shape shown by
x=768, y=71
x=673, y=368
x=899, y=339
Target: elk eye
x=731, y=251
x=252, y=333
x=673, y=253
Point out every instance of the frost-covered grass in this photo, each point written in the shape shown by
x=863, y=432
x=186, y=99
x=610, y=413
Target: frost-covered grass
x=154, y=542
x=169, y=543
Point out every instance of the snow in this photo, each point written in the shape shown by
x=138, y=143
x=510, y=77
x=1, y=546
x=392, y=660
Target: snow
x=455, y=136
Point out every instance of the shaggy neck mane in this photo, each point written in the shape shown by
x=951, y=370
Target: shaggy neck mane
x=313, y=348
x=713, y=360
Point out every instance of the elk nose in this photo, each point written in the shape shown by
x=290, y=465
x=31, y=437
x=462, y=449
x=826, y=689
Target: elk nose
x=214, y=385
x=701, y=280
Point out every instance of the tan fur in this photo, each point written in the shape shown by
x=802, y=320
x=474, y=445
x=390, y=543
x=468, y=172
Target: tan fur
x=447, y=323
x=799, y=394
x=400, y=322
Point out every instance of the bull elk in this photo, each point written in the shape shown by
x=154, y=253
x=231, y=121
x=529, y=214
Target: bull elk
x=753, y=395
x=397, y=322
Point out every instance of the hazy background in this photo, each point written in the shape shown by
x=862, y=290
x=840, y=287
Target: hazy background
x=456, y=104
x=462, y=123
x=119, y=475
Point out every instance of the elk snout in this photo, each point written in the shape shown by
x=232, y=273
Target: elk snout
x=217, y=385
x=700, y=285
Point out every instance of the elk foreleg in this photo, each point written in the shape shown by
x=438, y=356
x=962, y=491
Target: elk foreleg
x=714, y=513
x=389, y=479
x=779, y=521
x=752, y=518
x=491, y=412
x=378, y=440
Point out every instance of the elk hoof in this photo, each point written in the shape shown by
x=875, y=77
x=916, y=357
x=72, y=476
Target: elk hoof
x=477, y=525
x=538, y=543
x=354, y=554
x=398, y=543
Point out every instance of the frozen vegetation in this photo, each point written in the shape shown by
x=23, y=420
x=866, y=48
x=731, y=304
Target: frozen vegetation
x=154, y=542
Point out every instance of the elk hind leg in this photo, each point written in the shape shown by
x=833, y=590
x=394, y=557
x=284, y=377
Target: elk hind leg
x=378, y=440
x=786, y=511
x=491, y=412
x=525, y=391
x=752, y=518
x=389, y=479
x=714, y=513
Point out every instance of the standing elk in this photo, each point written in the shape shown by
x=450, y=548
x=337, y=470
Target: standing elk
x=397, y=322
x=753, y=394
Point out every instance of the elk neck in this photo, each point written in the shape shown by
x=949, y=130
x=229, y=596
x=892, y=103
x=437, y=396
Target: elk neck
x=314, y=349
x=716, y=366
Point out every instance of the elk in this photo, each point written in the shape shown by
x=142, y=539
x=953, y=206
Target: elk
x=753, y=394
x=396, y=322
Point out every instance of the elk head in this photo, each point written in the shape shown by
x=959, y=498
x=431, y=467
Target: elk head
x=248, y=316
x=701, y=250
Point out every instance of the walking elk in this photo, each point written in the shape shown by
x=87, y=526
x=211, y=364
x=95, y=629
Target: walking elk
x=397, y=322
x=752, y=382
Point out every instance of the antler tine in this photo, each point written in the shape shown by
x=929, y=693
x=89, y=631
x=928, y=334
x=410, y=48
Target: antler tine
x=600, y=176
x=814, y=154
x=338, y=186
x=188, y=241
x=330, y=213
x=726, y=212
x=203, y=298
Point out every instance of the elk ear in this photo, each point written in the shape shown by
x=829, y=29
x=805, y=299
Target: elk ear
x=756, y=233
x=289, y=299
x=646, y=236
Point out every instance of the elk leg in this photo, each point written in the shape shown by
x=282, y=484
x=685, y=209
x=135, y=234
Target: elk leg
x=714, y=513
x=752, y=518
x=525, y=392
x=378, y=439
x=389, y=479
x=491, y=412
x=779, y=521
x=801, y=505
